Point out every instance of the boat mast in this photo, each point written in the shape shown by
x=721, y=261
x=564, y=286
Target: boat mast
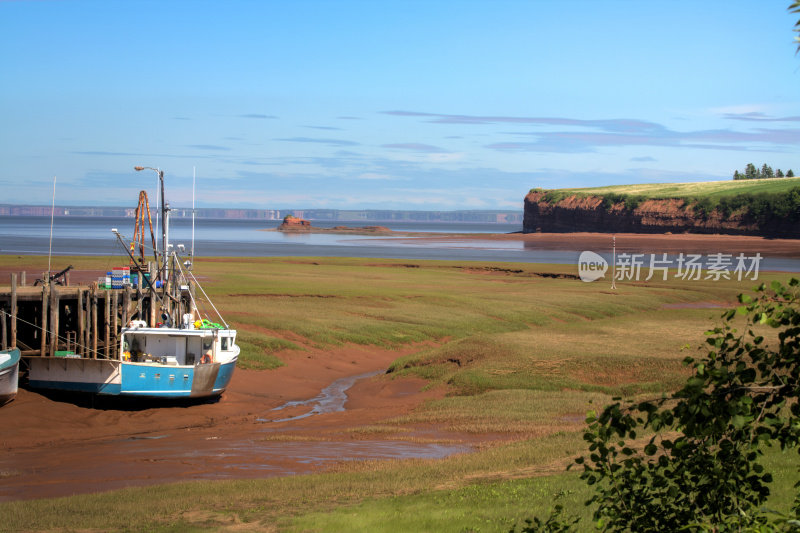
x=192, y=254
x=164, y=269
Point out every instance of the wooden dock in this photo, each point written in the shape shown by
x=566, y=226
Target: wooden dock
x=52, y=320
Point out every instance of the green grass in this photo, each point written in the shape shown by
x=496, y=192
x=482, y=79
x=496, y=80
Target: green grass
x=498, y=506
x=493, y=506
x=711, y=189
x=520, y=356
x=257, y=350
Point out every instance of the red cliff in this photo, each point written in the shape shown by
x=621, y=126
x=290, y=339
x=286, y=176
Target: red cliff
x=596, y=214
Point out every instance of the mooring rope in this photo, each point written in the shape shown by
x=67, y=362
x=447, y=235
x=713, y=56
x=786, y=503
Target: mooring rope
x=189, y=272
x=55, y=334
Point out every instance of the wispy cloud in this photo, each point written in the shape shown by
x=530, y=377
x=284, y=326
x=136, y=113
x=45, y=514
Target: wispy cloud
x=209, y=147
x=757, y=116
x=617, y=124
x=374, y=176
x=257, y=116
x=330, y=128
x=102, y=153
x=644, y=159
x=329, y=142
x=415, y=147
x=761, y=139
x=587, y=136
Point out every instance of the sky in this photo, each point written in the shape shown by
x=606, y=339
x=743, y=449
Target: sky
x=429, y=105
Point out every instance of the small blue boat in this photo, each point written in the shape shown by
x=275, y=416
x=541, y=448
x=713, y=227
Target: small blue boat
x=9, y=374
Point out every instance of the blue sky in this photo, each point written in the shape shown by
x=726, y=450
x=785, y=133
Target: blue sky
x=388, y=104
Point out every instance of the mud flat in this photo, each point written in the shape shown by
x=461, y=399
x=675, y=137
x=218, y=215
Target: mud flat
x=65, y=445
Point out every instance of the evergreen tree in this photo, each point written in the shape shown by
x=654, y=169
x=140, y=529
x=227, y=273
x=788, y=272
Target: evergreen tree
x=766, y=171
x=778, y=173
x=736, y=175
x=789, y=173
x=750, y=172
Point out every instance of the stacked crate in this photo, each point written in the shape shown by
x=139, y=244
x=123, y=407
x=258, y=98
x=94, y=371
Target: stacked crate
x=120, y=277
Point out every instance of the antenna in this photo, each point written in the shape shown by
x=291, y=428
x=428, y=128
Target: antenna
x=52, y=214
x=158, y=207
x=614, y=263
x=194, y=172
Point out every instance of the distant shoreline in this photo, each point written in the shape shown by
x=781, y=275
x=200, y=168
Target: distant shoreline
x=632, y=242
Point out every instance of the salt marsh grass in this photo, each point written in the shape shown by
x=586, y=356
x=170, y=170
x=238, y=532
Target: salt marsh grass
x=521, y=357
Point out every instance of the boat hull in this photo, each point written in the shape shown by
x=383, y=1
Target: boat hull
x=118, y=378
x=9, y=375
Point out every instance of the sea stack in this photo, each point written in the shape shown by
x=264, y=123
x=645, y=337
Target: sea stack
x=293, y=223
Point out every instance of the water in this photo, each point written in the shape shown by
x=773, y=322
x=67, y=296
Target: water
x=237, y=238
x=330, y=400
x=93, y=236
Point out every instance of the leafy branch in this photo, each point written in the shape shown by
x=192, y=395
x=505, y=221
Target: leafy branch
x=697, y=465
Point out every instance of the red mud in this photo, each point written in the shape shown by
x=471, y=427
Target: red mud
x=56, y=446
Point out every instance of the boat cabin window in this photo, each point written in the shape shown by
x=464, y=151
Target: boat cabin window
x=225, y=343
x=150, y=348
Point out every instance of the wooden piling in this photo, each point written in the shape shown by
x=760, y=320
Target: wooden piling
x=54, y=305
x=43, y=331
x=126, y=304
x=3, y=333
x=95, y=328
x=56, y=318
x=22, y=281
x=81, y=325
x=114, y=325
x=13, y=339
x=107, y=329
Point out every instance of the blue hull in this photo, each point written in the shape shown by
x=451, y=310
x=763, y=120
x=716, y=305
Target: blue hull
x=154, y=381
x=175, y=382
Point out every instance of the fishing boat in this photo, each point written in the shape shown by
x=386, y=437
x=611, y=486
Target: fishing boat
x=161, y=362
x=175, y=354
x=9, y=374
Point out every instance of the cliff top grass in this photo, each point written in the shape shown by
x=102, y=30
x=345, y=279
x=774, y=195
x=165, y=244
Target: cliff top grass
x=694, y=190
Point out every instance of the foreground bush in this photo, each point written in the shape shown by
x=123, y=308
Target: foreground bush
x=690, y=461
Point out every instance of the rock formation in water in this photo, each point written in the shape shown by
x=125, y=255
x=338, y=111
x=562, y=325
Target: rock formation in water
x=293, y=223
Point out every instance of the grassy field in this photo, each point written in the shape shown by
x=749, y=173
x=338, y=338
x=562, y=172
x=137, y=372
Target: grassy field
x=710, y=189
x=523, y=354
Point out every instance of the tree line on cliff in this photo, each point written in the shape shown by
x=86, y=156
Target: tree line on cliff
x=765, y=172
